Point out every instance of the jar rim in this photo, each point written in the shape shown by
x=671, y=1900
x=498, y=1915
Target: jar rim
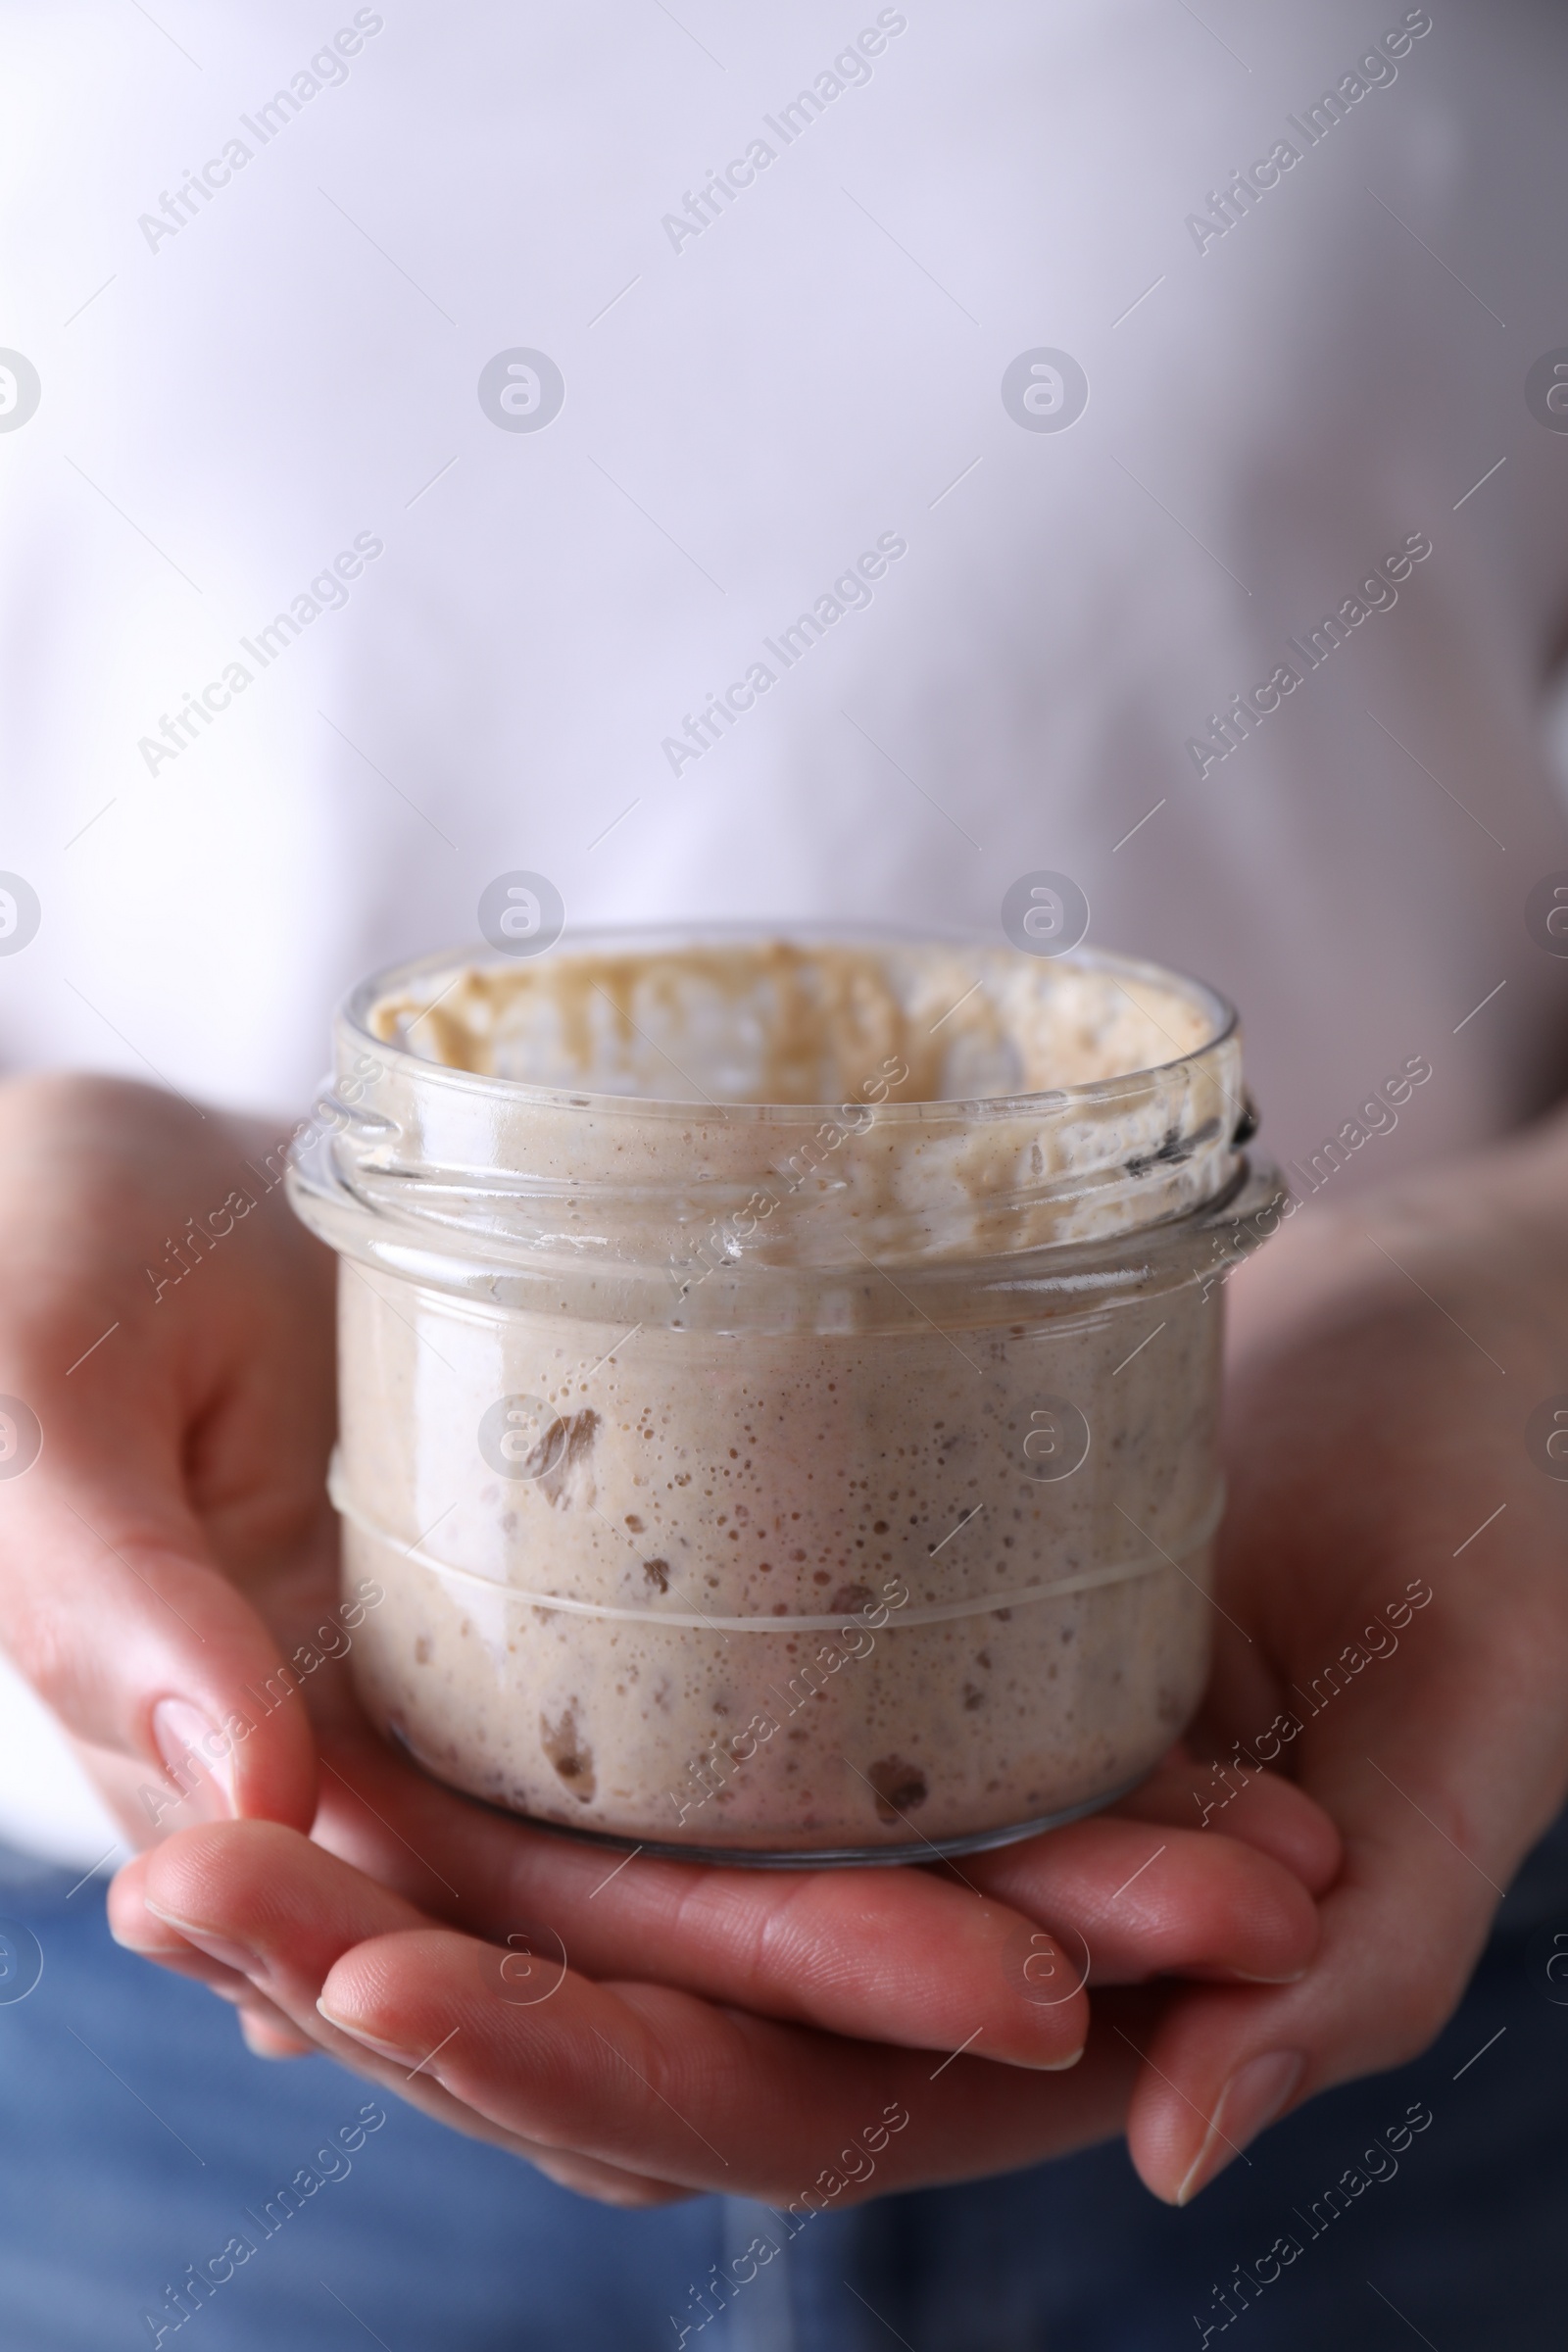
x=355, y=1006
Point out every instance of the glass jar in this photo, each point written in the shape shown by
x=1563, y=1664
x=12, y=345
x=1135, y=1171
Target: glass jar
x=779, y=1378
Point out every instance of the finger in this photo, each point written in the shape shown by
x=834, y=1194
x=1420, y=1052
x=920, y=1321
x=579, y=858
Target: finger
x=116, y=1615
x=552, y=2062
x=250, y=1978
x=884, y=1955
x=110, y=1597
x=1439, y=1782
x=139, y=1930
x=1134, y=1899
x=644, y=2075
x=867, y=1953
x=1257, y=1808
x=268, y=2032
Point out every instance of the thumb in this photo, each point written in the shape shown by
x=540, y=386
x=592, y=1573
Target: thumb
x=1438, y=1781
x=114, y=1609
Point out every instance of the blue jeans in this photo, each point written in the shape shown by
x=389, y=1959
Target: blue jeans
x=138, y=2139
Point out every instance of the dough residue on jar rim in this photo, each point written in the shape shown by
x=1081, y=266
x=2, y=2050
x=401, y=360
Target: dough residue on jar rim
x=778, y=1021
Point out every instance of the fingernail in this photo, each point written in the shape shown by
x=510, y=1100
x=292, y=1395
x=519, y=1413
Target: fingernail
x=264, y=2040
x=152, y=1937
x=1251, y=2099
x=1245, y=1977
x=1050, y=2066
x=145, y=1940
x=1060, y=2066
x=371, y=2041
x=216, y=1947
x=199, y=1759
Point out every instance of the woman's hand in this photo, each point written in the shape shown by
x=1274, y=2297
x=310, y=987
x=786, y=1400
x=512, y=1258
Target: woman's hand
x=177, y=1391
x=1395, y=1585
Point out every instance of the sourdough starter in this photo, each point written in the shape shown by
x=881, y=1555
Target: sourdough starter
x=780, y=1482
